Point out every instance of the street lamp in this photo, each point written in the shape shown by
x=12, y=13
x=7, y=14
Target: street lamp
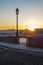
x=17, y=12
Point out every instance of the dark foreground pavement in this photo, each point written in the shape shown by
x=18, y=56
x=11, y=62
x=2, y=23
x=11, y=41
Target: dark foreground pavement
x=17, y=55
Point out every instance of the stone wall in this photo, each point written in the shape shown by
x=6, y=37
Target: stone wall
x=9, y=39
x=35, y=41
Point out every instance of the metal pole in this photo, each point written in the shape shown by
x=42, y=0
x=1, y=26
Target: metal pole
x=17, y=26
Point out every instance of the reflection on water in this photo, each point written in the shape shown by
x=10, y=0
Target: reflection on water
x=22, y=40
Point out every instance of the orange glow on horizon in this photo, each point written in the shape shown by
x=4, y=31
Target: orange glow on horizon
x=6, y=27
x=32, y=28
x=12, y=27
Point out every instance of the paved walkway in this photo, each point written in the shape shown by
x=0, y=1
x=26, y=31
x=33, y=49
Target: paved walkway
x=22, y=47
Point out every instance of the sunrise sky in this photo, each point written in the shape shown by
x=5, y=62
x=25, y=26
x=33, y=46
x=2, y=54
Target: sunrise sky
x=30, y=14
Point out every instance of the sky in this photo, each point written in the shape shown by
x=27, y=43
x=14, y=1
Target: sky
x=30, y=14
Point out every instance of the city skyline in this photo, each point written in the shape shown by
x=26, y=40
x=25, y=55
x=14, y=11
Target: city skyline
x=30, y=14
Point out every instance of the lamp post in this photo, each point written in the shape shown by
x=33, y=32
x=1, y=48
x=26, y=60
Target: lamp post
x=17, y=12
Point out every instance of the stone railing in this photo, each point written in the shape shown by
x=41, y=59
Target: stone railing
x=34, y=41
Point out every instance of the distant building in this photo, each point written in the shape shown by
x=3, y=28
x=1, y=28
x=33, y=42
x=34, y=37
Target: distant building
x=39, y=31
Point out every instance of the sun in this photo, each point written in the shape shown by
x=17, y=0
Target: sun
x=32, y=25
x=32, y=28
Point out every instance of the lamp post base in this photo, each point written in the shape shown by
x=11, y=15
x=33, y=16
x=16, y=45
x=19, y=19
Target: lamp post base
x=17, y=40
